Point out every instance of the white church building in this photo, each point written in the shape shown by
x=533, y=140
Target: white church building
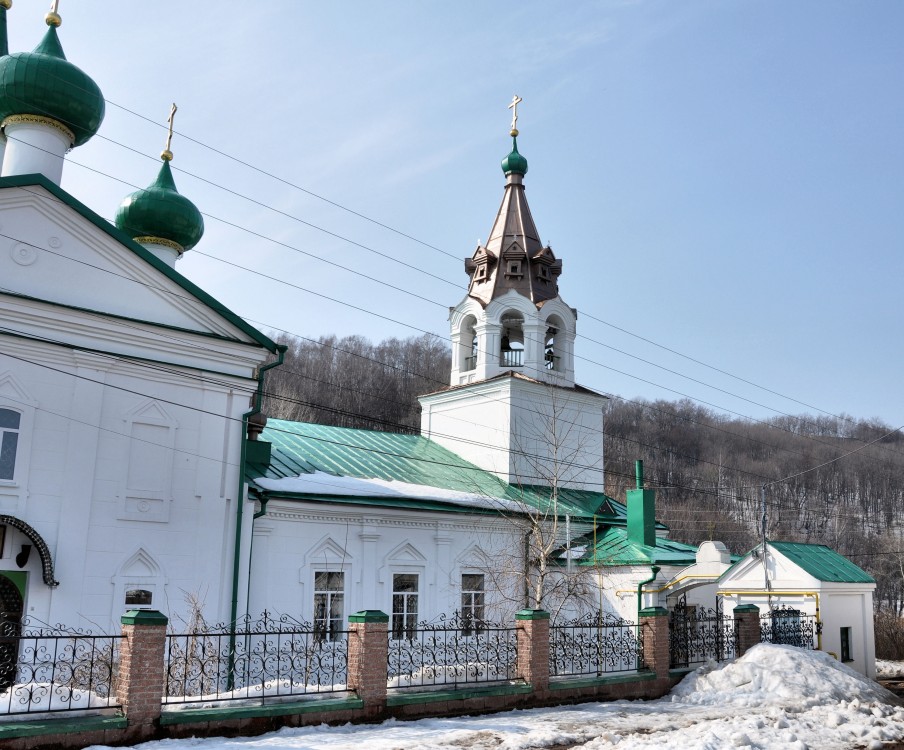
x=136, y=469
x=123, y=386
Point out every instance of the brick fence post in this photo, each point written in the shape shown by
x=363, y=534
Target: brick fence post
x=141, y=669
x=368, y=654
x=655, y=624
x=747, y=622
x=533, y=648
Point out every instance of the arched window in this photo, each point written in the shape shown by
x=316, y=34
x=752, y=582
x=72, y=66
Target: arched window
x=552, y=353
x=511, y=352
x=468, y=344
x=9, y=442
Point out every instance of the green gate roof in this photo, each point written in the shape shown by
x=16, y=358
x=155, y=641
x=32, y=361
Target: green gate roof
x=823, y=563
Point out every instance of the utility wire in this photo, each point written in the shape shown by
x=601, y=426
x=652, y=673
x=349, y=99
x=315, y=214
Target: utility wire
x=428, y=245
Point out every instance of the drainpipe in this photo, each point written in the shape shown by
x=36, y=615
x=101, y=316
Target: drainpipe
x=240, y=502
x=654, y=569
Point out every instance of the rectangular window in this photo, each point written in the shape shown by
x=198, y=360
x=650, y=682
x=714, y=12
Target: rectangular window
x=329, y=604
x=846, y=644
x=404, y=605
x=139, y=597
x=9, y=442
x=481, y=273
x=472, y=603
x=513, y=268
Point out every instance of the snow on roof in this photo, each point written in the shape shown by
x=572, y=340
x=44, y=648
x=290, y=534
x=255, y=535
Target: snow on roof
x=321, y=483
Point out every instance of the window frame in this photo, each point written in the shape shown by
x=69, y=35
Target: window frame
x=16, y=442
x=514, y=267
x=328, y=626
x=473, y=604
x=403, y=620
x=846, y=643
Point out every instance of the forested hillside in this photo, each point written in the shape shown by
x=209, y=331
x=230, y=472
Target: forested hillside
x=708, y=469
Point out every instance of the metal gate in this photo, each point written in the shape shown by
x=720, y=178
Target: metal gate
x=699, y=634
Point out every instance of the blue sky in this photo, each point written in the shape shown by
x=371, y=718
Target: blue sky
x=725, y=178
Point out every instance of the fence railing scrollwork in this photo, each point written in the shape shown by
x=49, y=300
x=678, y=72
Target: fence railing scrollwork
x=595, y=644
x=698, y=634
x=451, y=651
x=46, y=668
x=268, y=658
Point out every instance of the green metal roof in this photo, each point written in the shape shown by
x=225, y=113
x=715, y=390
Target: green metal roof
x=44, y=83
x=823, y=563
x=614, y=548
x=303, y=448
x=161, y=211
x=146, y=255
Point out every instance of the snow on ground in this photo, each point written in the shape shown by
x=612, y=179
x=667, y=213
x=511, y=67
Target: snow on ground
x=889, y=670
x=773, y=698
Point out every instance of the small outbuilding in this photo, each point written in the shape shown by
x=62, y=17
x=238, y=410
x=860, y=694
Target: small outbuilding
x=807, y=593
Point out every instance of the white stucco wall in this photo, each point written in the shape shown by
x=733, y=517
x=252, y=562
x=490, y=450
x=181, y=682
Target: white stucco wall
x=370, y=544
x=495, y=423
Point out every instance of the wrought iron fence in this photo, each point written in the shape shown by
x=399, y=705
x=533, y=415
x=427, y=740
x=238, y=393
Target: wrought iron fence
x=595, y=644
x=789, y=626
x=47, y=668
x=453, y=651
x=264, y=659
x=699, y=634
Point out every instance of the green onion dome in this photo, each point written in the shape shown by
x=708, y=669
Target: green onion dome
x=514, y=162
x=159, y=214
x=44, y=84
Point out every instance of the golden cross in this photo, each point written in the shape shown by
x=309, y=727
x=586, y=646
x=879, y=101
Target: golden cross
x=167, y=154
x=55, y=6
x=514, y=107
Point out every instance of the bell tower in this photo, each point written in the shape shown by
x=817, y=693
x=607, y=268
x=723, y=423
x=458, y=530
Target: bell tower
x=512, y=406
x=512, y=318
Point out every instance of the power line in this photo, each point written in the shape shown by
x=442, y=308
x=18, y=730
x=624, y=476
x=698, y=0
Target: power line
x=398, y=322
x=369, y=219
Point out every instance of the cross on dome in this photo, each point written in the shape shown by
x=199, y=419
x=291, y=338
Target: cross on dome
x=166, y=154
x=516, y=100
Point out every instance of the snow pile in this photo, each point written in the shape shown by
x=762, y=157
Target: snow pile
x=321, y=483
x=775, y=675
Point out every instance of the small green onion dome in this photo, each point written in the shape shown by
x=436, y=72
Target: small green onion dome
x=45, y=84
x=514, y=162
x=160, y=212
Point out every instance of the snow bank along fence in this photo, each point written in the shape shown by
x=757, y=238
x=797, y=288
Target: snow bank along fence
x=267, y=673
